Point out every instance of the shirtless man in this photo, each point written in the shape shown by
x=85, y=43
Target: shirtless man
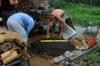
x=62, y=18
x=58, y=14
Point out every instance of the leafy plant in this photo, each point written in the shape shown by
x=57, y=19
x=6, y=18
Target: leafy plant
x=82, y=14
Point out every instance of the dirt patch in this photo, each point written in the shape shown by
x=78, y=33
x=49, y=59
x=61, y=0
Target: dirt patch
x=43, y=60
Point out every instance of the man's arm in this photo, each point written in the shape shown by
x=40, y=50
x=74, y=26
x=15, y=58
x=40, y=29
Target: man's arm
x=0, y=3
x=61, y=23
x=13, y=2
x=60, y=19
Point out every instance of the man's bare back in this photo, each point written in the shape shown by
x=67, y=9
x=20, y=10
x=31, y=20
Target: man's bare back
x=57, y=12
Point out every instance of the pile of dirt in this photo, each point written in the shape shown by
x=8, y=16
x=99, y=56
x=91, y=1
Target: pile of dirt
x=43, y=60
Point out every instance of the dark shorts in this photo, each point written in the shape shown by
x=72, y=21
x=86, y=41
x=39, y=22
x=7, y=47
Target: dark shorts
x=66, y=19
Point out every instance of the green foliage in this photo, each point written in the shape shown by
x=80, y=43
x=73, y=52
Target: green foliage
x=86, y=2
x=94, y=57
x=81, y=14
x=57, y=3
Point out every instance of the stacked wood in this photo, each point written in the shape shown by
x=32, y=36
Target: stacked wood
x=10, y=47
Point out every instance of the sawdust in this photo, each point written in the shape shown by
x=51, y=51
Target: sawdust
x=76, y=42
x=8, y=35
x=43, y=60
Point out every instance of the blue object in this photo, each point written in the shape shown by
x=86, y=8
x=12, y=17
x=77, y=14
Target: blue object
x=21, y=23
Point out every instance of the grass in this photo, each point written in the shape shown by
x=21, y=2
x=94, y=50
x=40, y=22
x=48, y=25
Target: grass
x=83, y=14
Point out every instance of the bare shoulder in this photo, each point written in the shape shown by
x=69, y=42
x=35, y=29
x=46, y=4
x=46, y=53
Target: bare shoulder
x=57, y=12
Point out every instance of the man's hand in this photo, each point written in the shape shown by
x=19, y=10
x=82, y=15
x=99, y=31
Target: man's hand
x=24, y=44
x=61, y=35
x=48, y=36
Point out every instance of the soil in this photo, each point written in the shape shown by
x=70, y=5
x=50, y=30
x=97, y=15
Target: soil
x=43, y=60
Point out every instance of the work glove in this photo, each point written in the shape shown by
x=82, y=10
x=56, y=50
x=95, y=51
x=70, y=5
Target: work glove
x=24, y=44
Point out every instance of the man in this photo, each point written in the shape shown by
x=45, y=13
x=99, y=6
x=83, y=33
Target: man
x=7, y=8
x=22, y=24
x=62, y=18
